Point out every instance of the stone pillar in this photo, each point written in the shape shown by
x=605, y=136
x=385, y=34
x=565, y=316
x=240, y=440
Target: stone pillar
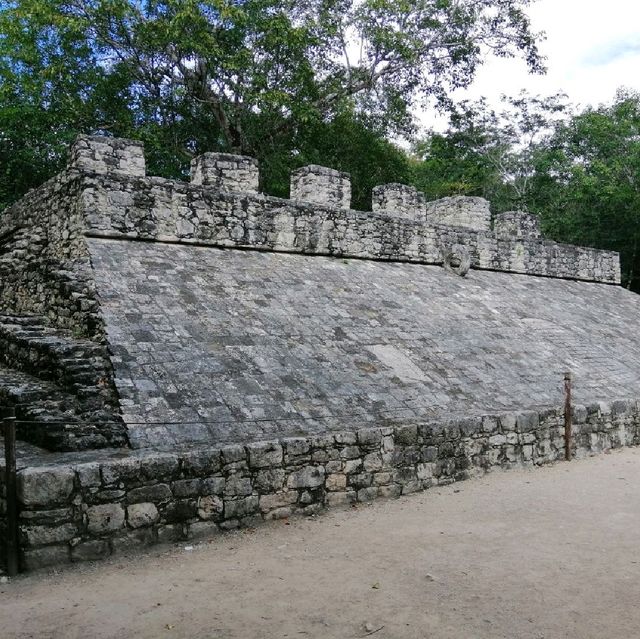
x=113, y=156
x=516, y=225
x=226, y=172
x=466, y=212
x=399, y=199
x=320, y=185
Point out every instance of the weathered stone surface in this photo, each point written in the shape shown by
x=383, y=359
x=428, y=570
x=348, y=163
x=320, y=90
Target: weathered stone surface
x=307, y=477
x=105, y=518
x=269, y=480
x=264, y=454
x=321, y=185
x=44, y=535
x=186, y=487
x=143, y=514
x=336, y=482
x=156, y=493
x=241, y=507
x=210, y=506
x=468, y=212
x=238, y=485
x=226, y=172
x=203, y=530
x=45, y=486
x=278, y=500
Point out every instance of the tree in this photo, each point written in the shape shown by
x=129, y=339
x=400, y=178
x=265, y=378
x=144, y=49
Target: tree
x=489, y=152
x=587, y=181
x=249, y=76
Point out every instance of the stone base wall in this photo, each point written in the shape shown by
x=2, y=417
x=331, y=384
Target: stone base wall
x=74, y=512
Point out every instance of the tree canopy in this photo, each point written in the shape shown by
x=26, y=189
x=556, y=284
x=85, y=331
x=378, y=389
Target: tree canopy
x=260, y=77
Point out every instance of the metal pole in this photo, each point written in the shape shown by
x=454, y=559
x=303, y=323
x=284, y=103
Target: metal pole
x=11, y=489
x=567, y=416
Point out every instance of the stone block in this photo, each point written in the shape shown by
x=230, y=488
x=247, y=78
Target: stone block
x=212, y=486
x=105, y=518
x=143, y=514
x=46, y=535
x=278, y=500
x=372, y=462
x=210, y=506
x=368, y=494
x=203, y=530
x=270, y=480
x=465, y=212
x=53, y=517
x=237, y=508
x=307, y=477
x=400, y=200
x=236, y=485
x=111, y=156
x=45, y=486
x=517, y=225
x=88, y=474
x=226, y=172
x=336, y=482
x=186, y=487
x=201, y=462
x=156, y=493
x=264, y=454
x=320, y=185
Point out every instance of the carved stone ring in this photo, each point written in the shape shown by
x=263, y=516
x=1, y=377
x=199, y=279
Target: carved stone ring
x=456, y=259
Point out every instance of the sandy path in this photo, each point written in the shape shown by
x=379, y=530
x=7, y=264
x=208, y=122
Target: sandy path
x=553, y=552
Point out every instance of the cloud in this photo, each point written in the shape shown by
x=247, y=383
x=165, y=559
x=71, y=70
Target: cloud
x=613, y=50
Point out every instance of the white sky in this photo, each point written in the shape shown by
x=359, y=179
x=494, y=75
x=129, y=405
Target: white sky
x=592, y=48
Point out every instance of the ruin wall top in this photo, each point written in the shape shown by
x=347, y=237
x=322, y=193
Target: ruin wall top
x=222, y=206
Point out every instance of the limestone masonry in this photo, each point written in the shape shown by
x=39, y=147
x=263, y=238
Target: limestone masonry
x=185, y=358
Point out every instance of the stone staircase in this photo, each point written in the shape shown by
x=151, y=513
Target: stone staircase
x=61, y=385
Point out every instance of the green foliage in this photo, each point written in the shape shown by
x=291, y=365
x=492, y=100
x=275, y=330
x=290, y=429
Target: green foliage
x=486, y=152
x=261, y=77
x=587, y=181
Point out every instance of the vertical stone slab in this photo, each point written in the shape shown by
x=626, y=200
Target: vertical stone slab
x=113, y=156
x=226, y=172
x=320, y=185
x=466, y=212
x=517, y=225
x=399, y=199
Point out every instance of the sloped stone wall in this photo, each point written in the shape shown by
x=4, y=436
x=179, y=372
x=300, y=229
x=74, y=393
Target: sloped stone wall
x=80, y=511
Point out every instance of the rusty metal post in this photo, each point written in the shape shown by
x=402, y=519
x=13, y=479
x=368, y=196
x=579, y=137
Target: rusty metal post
x=11, y=542
x=567, y=416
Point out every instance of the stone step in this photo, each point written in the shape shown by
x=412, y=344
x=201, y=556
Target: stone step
x=56, y=420
x=78, y=365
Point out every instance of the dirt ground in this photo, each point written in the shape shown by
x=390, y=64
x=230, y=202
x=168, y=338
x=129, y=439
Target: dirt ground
x=546, y=553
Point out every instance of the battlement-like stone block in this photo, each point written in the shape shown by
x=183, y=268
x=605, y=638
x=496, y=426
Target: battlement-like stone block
x=226, y=172
x=466, y=212
x=320, y=185
x=113, y=156
x=399, y=199
x=517, y=224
